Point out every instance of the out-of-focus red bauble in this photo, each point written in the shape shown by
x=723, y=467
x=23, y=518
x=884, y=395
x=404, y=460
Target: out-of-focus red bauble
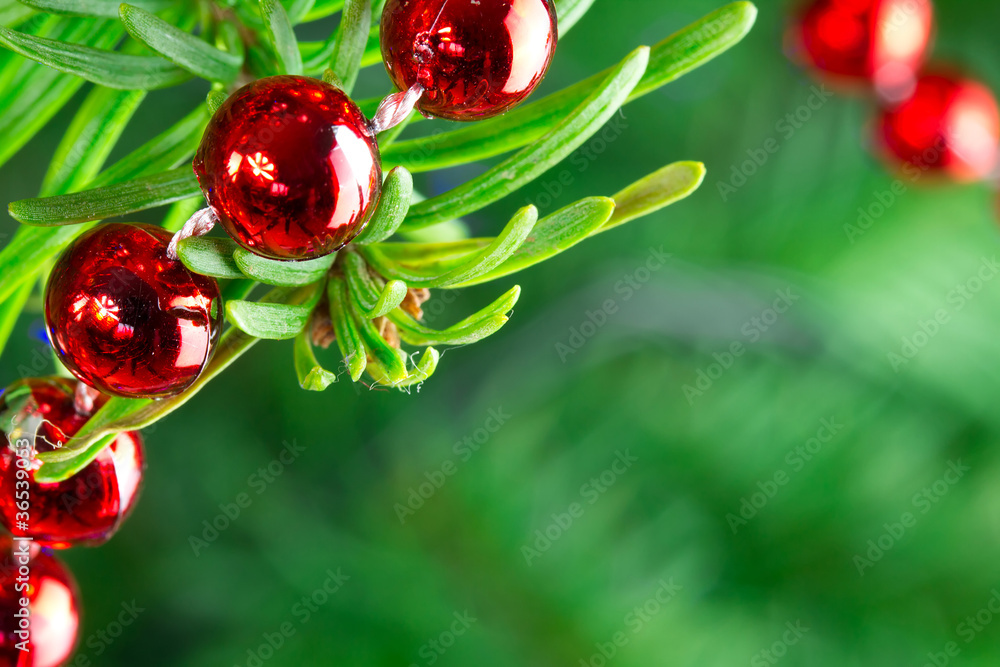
x=880, y=42
x=85, y=509
x=474, y=58
x=949, y=126
x=53, y=603
x=289, y=165
x=128, y=320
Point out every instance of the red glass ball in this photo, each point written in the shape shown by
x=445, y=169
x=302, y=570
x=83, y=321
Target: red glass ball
x=85, y=509
x=474, y=58
x=880, y=42
x=950, y=126
x=290, y=167
x=126, y=319
x=53, y=604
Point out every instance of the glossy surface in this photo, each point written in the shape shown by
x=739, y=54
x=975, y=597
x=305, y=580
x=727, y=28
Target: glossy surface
x=289, y=167
x=87, y=508
x=126, y=319
x=474, y=58
x=53, y=602
x=950, y=126
x=879, y=42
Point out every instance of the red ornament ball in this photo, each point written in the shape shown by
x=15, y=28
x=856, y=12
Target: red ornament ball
x=53, y=604
x=474, y=58
x=880, y=42
x=128, y=320
x=290, y=167
x=85, y=509
x=950, y=126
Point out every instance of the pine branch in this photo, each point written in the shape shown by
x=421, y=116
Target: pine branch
x=367, y=297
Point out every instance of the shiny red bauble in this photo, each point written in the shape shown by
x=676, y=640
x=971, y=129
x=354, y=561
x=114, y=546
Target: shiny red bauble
x=880, y=42
x=950, y=126
x=474, y=58
x=290, y=167
x=87, y=508
x=128, y=320
x=53, y=605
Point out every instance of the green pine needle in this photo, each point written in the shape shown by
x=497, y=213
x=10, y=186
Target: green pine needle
x=370, y=292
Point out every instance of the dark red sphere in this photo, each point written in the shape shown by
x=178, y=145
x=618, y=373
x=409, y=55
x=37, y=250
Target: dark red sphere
x=53, y=605
x=128, y=320
x=950, y=126
x=880, y=42
x=87, y=508
x=474, y=58
x=290, y=167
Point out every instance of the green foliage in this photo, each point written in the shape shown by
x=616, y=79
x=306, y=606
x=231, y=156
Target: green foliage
x=438, y=265
x=10, y=310
x=670, y=59
x=90, y=138
x=368, y=294
x=552, y=235
x=272, y=272
x=210, y=256
x=106, y=9
x=184, y=50
x=33, y=93
x=281, y=36
x=670, y=516
x=312, y=376
x=107, y=68
x=346, y=328
x=473, y=328
x=372, y=300
x=662, y=188
x=548, y=151
x=397, y=192
x=273, y=321
x=110, y=201
x=351, y=40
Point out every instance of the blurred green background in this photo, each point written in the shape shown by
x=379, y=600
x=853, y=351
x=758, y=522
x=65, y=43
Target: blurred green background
x=797, y=503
